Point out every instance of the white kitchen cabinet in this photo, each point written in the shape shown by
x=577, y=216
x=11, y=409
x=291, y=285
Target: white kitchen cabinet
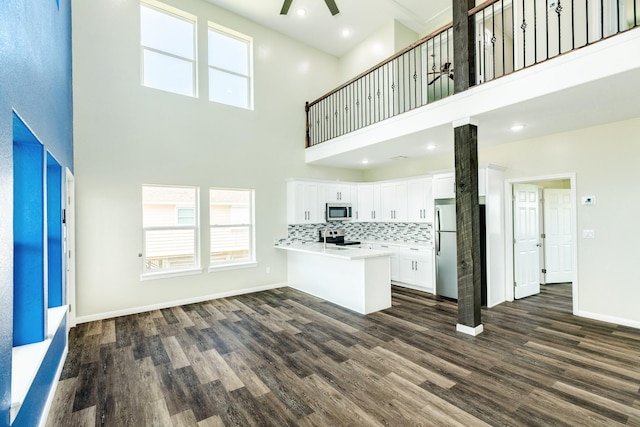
x=368, y=203
x=393, y=201
x=420, y=200
x=395, y=259
x=337, y=192
x=416, y=268
x=444, y=186
x=482, y=182
x=303, y=203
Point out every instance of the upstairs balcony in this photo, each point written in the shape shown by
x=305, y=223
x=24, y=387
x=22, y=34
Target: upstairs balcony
x=558, y=64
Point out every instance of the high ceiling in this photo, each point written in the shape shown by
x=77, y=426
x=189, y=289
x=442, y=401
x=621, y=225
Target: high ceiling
x=318, y=28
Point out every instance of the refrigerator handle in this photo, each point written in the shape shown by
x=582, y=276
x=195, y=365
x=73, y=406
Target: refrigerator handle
x=437, y=231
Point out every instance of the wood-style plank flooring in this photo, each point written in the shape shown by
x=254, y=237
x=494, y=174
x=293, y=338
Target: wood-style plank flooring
x=284, y=358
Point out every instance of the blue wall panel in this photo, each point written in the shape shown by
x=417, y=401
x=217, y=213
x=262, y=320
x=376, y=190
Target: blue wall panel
x=54, y=232
x=35, y=82
x=33, y=405
x=28, y=238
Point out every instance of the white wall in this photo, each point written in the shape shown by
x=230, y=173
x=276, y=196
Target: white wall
x=376, y=48
x=127, y=135
x=604, y=159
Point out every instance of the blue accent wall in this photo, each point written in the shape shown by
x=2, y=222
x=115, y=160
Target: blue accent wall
x=54, y=233
x=28, y=237
x=33, y=404
x=36, y=83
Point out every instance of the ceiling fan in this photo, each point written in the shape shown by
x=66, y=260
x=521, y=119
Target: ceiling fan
x=445, y=69
x=331, y=4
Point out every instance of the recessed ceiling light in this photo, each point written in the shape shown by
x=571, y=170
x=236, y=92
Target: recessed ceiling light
x=346, y=32
x=365, y=161
x=431, y=147
x=301, y=12
x=517, y=128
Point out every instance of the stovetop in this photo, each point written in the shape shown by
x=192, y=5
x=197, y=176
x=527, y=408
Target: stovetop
x=347, y=243
x=335, y=236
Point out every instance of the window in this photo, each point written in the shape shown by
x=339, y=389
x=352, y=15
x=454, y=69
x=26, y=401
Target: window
x=232, y=231
x=185, y=215
x=170, y=228
x=230, y=67
x=167, y=37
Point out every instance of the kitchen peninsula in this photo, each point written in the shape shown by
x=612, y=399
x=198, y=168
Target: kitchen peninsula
x=354, y=278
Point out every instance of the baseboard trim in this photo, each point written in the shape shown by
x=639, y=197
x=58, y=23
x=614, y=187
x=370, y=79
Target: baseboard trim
x=175, y=303
x=609, y=319
x=469, y=330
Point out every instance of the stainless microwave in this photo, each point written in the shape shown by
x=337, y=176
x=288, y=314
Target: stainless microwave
x=338, y=212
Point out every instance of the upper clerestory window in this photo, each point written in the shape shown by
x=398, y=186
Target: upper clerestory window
x=168, y=42
x=230, y=67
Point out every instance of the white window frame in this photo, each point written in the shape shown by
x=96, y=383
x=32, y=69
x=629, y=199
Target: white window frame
x=249, y=76
x=178, y=271
x=178, y=14
x=232, y=264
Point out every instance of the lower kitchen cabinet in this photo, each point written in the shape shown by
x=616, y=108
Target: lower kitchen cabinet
x=416, y=268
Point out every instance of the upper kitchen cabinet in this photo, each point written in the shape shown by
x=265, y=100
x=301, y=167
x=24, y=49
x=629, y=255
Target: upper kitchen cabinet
x=337, y=192
x=368, y=203
x=304, y=205
x=420, y=200
x=444, y=185
x=393, y=201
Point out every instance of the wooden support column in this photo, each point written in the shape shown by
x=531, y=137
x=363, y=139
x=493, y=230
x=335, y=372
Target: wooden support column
x=464, y=61
x=466, y=163
x=468, y=228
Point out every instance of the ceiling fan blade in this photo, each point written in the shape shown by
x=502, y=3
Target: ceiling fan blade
x=285, y=7
x=434, y=80
x=331, y=4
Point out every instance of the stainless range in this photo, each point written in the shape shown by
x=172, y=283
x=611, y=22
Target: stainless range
x=335, y=236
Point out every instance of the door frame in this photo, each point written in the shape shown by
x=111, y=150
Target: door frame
x=70, y=253
x=508, y=231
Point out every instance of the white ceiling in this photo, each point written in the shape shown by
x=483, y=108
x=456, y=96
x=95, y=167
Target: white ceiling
x=361, y=17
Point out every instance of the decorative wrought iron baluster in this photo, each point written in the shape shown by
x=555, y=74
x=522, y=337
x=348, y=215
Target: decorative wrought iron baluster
x=558, y=12
x=524, y=36
x=493, y=40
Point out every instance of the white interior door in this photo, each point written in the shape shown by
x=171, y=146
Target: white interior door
x=526, y=236
x=557, y=229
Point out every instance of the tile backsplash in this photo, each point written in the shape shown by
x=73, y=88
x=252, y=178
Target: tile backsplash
x=391, y=231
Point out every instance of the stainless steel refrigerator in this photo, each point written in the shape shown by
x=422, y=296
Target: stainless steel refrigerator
x=447, y=250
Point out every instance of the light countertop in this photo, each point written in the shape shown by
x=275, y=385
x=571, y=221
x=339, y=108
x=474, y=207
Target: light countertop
x=403, y=243
x=344, y=252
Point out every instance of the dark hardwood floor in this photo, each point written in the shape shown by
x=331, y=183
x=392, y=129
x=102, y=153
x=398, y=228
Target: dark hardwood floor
x=284, y=358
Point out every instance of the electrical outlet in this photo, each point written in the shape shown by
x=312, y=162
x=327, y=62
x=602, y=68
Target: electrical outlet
x=588, y=234
x=268, y=270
